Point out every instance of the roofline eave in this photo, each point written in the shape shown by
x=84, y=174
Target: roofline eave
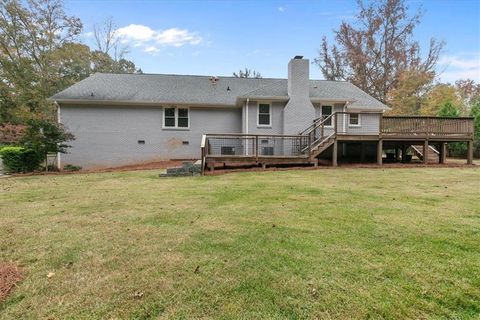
x=273, y=98
x=369, y=108
x=318, y=99
x=138, y=103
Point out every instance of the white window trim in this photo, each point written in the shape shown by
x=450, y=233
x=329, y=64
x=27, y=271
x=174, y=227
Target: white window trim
x=270, y=115
x=176, y=127
x=321, y=113
x=359, y=120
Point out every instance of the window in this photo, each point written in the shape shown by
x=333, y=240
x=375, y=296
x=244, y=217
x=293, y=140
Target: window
x=169, y=117
x=264, y=114
x=327, y=111
x=354, y=119
x=182, y=118
x=176, y=118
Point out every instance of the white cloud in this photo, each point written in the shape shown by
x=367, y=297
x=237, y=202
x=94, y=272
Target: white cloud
x=88, y=34
x=177, y=37
x=151, y=49
x=458, y=62
x=282, y=9
x=136, y=32
x=254, y=52
x=457, y=67
x=152, y=40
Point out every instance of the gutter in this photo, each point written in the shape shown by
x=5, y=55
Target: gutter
x=275, y=98
x=317, y=100
x=139, y=103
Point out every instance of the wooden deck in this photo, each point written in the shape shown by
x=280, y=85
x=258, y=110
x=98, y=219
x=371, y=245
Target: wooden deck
x=427, y=128
x=326, y=133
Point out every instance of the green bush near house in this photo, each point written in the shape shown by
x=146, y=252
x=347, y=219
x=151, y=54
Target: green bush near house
x=19, y=159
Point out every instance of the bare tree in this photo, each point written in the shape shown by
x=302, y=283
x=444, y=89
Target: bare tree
x=247, y=73
x=107, y=40
x=375, y=50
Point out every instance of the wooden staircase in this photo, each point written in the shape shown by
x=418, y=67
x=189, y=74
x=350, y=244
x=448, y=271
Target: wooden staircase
x=321, y=147
x=319, y=140
x=433, y=154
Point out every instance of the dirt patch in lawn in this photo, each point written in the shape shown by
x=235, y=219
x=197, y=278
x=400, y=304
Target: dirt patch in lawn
x=10, y=274
x=133, y=167
x=143, y=166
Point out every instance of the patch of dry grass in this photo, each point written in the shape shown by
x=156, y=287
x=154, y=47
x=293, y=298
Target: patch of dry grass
x=10, y=274
x=347, y=243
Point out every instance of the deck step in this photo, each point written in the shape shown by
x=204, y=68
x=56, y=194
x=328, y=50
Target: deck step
x=322, y=147
x=433, y=154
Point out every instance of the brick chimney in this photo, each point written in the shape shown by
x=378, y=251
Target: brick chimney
x=299, y=111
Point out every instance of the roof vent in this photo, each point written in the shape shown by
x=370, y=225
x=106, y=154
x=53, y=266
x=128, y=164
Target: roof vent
x=91, y=94
x=298, y=57
x=228, y=88
x=214, y=80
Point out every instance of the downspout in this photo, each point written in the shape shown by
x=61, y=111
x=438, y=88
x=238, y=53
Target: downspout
x=345, y=116
x=344, y=146
x=59, y=120
x=246, y=123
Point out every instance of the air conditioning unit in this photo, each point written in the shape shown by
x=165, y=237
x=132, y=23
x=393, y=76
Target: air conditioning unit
x=267, y=151
x=229, y=151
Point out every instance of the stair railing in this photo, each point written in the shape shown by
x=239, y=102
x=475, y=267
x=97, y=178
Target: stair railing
x=316, y=132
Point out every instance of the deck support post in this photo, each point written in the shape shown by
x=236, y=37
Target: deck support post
x=404, y=153
x=362, y=152
x=255, y=142
x=264, y=165
x=397, y=153
x=425, y=152
x=470, y=152
x=379, y=151
x=211, y=166
x=335, y=153
x=443, y=152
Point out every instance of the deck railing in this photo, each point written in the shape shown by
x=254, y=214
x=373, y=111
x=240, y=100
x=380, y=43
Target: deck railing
x=254, y=145
x=426, y=126
x=320, y=130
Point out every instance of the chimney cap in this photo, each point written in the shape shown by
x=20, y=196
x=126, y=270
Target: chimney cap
x=298, y=57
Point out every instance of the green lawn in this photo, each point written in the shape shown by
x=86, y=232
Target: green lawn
x=342, y=243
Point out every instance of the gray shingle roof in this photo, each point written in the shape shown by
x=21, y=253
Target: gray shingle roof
x=187, y=89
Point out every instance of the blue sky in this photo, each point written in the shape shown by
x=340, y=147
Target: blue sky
x=219, y=37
